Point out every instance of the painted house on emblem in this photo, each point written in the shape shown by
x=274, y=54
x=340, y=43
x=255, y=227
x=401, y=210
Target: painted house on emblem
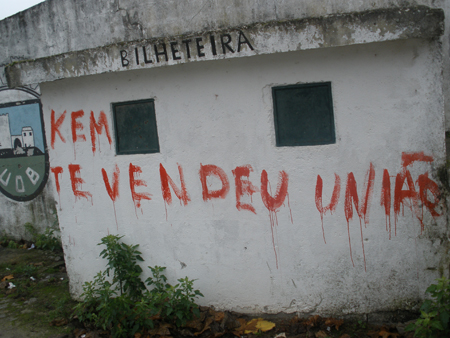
x=286, y=155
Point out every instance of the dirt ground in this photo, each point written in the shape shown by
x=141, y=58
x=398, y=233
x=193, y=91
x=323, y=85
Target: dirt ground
x=35, y=303
x=39, y=296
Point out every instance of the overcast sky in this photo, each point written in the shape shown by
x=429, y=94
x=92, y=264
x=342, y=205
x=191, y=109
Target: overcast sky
x=10, y=7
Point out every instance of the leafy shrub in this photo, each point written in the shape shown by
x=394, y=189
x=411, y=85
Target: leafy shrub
x=122, y=262
x=435, y=312
x=12, y=245
x=173, y=302
x=125, y=306
x=45, y=241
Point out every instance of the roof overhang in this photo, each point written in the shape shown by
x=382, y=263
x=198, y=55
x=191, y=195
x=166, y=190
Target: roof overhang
x=256, y=39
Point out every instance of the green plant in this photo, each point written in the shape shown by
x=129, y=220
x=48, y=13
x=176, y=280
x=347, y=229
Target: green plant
x=435, y=312
x=27, y=270
x=45, y=241
x=3, y=238
x=123, y=304
x=175, y=303
x=122, y=262
x=12, y=245
x=62, y=308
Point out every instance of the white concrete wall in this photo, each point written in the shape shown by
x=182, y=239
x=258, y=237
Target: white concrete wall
x=387, y=101
x=59, y=26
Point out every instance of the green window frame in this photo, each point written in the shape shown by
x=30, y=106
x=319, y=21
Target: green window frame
x=135, y=127
x=303, y=114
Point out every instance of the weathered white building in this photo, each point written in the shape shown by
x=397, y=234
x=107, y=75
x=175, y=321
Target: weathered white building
x=288, y=155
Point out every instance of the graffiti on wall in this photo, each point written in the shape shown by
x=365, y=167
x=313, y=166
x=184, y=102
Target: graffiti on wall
x=23, y=156
x=398, y=190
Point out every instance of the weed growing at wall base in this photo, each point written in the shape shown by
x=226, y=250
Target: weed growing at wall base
x=45, y=241
x=125, y=306
x=435, y=312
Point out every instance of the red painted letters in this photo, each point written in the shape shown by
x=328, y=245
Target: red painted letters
x=334, y=198
x=213, y=170
x=77, y=181
x=362, y=209
x=410, y=158
x=97, y=127
x=57, y=171
x=181, y=193
x=243, y=187
x=113, y=191
x=55, y=125
x=77, y=126
x=274, y=203
x=386, y=198
x=134, y=172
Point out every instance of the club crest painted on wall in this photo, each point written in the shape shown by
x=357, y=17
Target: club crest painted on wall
x=24, y=162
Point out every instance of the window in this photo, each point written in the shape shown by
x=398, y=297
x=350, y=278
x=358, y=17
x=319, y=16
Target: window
x=303, y=115
x=135, y=126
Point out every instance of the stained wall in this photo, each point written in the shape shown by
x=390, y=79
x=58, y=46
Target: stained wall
x=270, y=246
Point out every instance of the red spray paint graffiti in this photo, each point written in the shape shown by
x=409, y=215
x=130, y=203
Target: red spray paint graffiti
x=113, y=191
x=401, y=195
x=77, y=126
x=134, y=172
x=56, y=172
x=181, y=192
x=55, y=125
x=410, y=158
x=274, y=203
x=244, y=187
x=425, y=185
x=77, y=181
x=334, y=198
x=386, y=199
x=362, y=209
x=213, y=170
x=97, y=127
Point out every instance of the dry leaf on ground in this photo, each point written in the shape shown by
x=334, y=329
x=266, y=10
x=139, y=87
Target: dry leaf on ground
x=313, y=320
x=218, y=316
x=59, y=322
x=321, y=334
x=334, y=322
x=7, y=278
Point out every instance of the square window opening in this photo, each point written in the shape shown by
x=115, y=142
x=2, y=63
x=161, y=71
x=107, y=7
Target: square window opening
x=135, y=127
x=303, y=115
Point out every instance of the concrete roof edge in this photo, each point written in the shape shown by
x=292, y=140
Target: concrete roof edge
x=385, y=24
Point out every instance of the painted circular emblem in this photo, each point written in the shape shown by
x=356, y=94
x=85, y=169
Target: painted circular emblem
x=23, y=152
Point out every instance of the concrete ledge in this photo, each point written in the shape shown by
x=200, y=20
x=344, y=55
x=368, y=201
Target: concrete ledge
x=261, y=38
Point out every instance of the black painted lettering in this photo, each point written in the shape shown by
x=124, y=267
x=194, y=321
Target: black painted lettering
x=137, y=55
x=123, y=56
x=243, y=39
x=164, y=52
x=199, y=47
x=146, y=60
x=226, y=44
x=174, y=51
x=188, y=51
x=213, y=44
